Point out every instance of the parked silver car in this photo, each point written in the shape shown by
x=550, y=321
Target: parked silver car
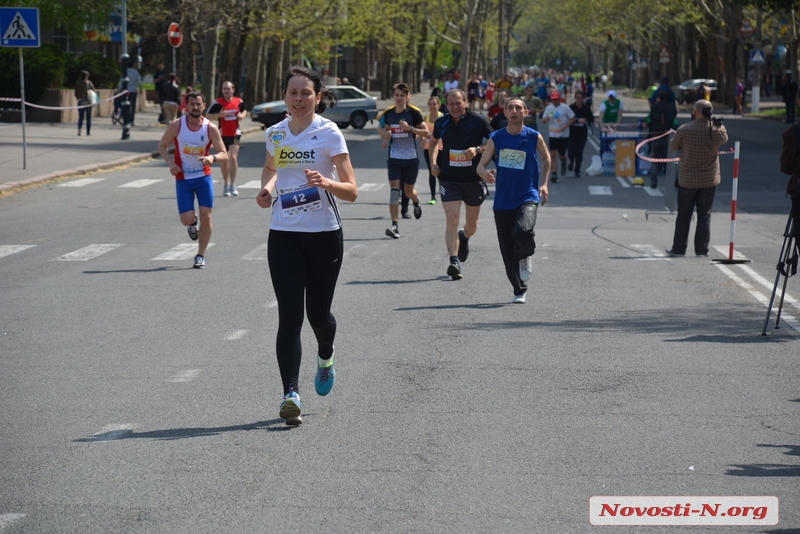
x=353, y=108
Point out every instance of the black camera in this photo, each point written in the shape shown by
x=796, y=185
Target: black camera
x=716, y=121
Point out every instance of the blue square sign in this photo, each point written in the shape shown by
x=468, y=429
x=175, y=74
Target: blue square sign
x=19, y=27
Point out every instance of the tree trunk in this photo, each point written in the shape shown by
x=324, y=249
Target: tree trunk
x=210, y=60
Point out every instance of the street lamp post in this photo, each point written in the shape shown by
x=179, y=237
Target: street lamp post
x=125, y=105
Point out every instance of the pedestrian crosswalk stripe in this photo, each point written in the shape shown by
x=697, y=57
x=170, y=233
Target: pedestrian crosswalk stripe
x=653, y=252
x=7, y=519
x=81, y=182
x=766, y=283
x=235, y=335
x=8, y=250
x=653, y=192
x=623, y=182
x=90, y=252
x=600, y=190
x=184, y=251
x=252, y=184
x=185, y=376
x=259, y=253
x=144, y=182
x=763, y=299
x=370, y=187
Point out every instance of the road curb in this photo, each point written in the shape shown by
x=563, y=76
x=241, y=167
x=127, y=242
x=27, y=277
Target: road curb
x=9, y=187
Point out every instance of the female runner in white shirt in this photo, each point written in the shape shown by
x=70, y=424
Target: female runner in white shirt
x=305, y=245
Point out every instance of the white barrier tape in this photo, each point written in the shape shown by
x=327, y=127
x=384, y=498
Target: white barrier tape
x=60, y=107
x=668, y=160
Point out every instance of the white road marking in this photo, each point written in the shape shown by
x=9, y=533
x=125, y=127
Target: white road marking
x=347, y=252
x=235, y=335
x=185, y=376
x=736, y=254
x=88, y=253
x=259, y=253
x=600, y=190
x=81, y=182
x=653, y=252
x=370, y=187
x=623, y=182
x=113, y=432
x=790, y=320
x=8, y=250
x=766, y=283
x=252, y=184
x=144, y=182
x=7, y=519
x=594, y=143
x=653, y=192
x=184, y=251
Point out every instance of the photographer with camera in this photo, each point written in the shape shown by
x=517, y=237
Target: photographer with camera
x=698, y=176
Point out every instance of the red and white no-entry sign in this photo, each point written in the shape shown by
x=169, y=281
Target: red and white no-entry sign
x=175, y=35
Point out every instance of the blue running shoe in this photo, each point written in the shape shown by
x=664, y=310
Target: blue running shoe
x=291, y=408
x=325, y=378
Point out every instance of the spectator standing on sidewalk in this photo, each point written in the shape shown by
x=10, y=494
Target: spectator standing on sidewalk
x=82, y=88
x=789, y=96
x=171, y=95
x=698, y=177
x=159, y=79
x=134, y=86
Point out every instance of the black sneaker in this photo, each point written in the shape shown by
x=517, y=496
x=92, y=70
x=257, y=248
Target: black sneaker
x=577, y=174
x=417, y=211
x=454, y=271
x=463, y=247
x=571, y=165
x=563, y=168
x=393, y=232
x=405, y=215
x=199, y=262
x=192, y=229
x=554, y=178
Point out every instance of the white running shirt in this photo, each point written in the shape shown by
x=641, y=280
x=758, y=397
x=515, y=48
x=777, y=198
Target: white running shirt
x=557, y=119
x=297, y=207
x=190, y=146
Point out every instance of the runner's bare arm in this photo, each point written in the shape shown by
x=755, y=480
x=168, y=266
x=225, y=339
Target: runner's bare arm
x=268, y=177
x=544, y=170
x=166, y=141
x=346, y=188
x=219, y=146
x=486, y=157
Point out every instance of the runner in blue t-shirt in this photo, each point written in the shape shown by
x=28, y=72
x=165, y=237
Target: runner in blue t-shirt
x=522, y=161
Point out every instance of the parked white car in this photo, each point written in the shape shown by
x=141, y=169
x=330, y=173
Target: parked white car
x=353, y=108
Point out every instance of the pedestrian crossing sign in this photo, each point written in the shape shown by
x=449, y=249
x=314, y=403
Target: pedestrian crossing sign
x=19, y=27
x=757, y=57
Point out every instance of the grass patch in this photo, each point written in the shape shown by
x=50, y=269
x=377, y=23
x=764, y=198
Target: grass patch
x=774, y=112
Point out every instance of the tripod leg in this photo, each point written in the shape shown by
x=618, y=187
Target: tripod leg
x=786, y=251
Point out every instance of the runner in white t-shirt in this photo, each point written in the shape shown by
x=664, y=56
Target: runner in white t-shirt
x=306, y=169
x=558, y=117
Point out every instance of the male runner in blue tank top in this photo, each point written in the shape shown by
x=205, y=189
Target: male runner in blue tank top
x=522, y=160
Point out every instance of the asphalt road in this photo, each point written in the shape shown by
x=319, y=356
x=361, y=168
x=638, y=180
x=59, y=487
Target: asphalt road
x=141, y=395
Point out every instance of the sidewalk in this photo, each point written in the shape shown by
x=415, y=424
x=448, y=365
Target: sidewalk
x=56, y=151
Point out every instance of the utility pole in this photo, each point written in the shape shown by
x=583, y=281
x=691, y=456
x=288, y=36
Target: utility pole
x=755, y=100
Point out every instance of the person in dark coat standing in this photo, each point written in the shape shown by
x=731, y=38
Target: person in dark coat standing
x=789, y=96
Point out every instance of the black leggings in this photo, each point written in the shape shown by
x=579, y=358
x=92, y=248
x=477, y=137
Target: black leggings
x=431, y=177
x=303, y=264
x=516, y=237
